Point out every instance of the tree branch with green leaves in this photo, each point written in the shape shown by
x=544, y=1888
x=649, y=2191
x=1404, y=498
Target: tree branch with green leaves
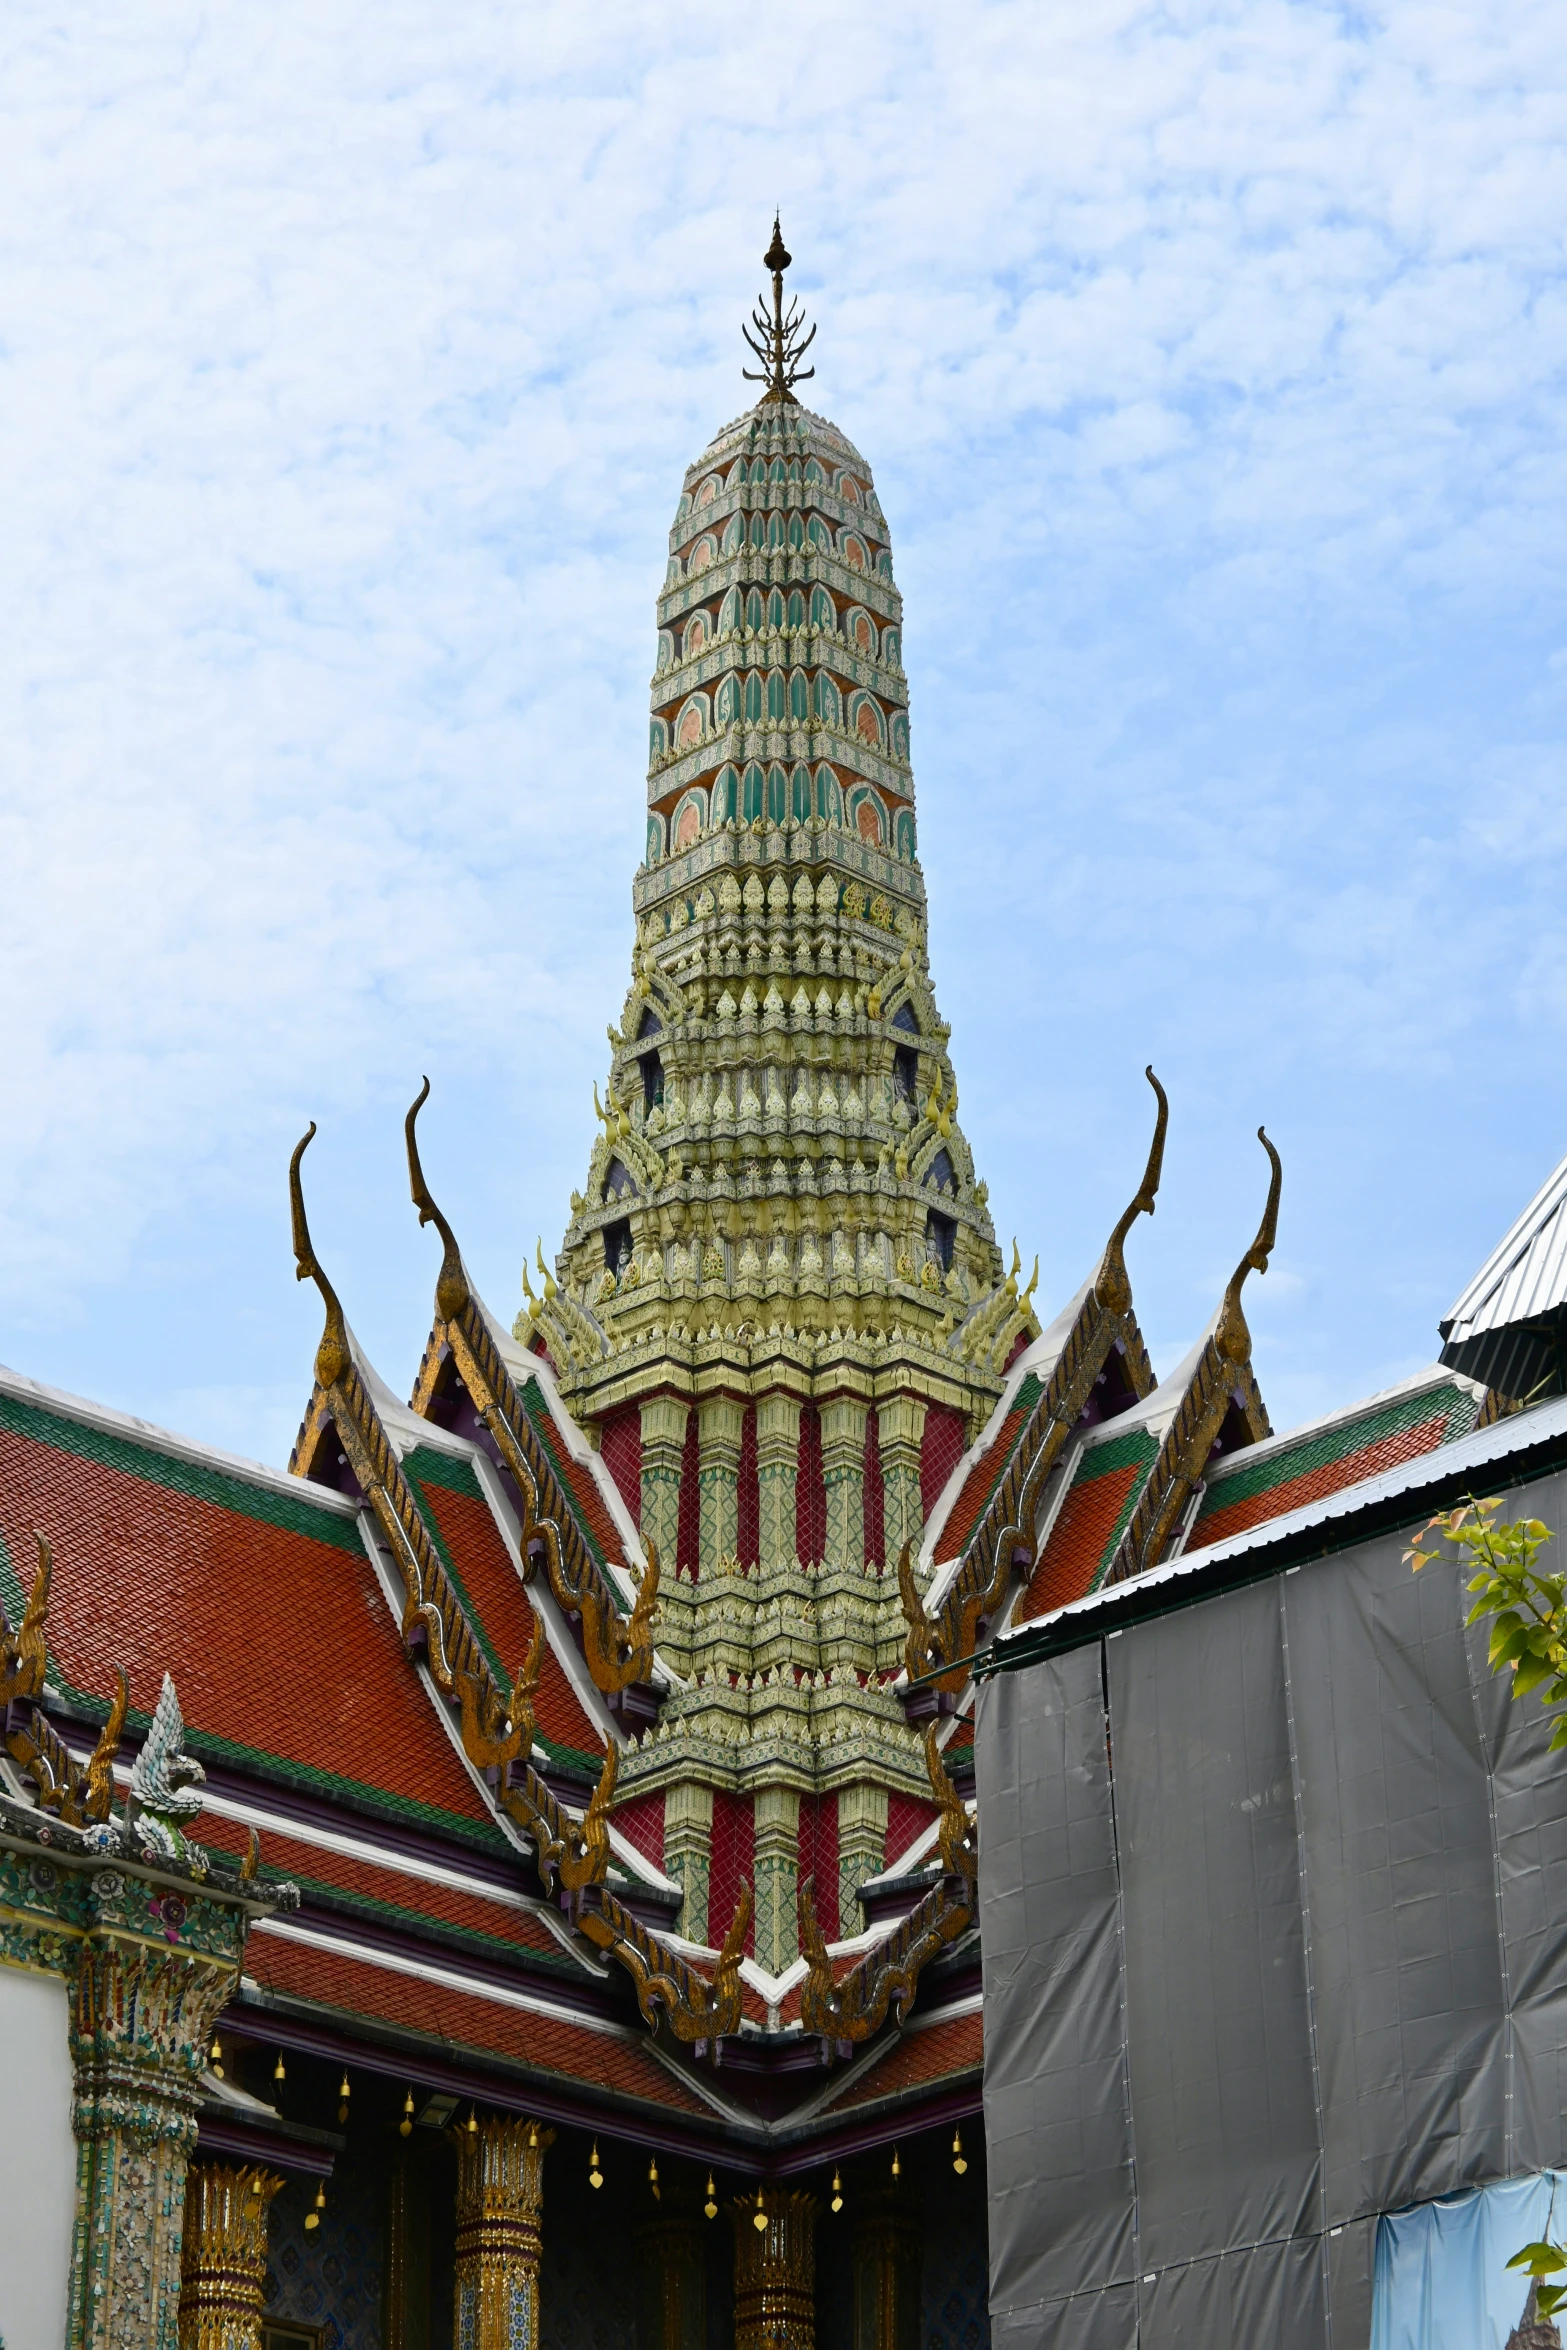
x=1528, y=1602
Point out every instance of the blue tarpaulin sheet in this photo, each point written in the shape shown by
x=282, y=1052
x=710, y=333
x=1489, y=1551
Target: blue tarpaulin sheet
x=1442, y=2279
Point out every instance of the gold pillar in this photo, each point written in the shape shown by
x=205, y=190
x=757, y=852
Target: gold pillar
x=776, y=1867
x=720, y=1426
x=500, y=2193
x=900, y=1431
x=673, y=2277
x=862, y=1847
x=843, y=1473
x=887, y=2257
x=688, y=1850
x=775, y=2273
x=777, y=1472
x=663, y=1451
x=223, y=2256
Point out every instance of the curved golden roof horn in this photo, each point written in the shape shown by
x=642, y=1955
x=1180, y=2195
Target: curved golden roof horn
x=451, y=1284
x=1112, y=1283
x=334, y=1354
x=1232, y=1337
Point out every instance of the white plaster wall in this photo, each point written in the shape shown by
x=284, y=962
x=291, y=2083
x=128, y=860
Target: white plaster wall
x=37, y=2160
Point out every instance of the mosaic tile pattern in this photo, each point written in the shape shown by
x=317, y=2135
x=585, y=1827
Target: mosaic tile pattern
x=329, y=2276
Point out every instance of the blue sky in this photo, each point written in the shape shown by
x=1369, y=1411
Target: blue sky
x=1210, y=361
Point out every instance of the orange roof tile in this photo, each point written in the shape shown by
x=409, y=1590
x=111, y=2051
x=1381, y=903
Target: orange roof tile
x=934, y=2054
x=387, y=1889
x=1072, y=1557
x=264, y=1609
x=361, y=1990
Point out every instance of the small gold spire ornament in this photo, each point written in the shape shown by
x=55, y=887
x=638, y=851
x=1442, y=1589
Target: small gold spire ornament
x=280, y=2070
x=652, y=2177
x=473, y=2121
x=783, y=343
x=759, y=2215
x=896, y=2170
x=313, y=2218
x=837, y=2192
x=959, y=2158
x=216, y=2059
x=710, y=2207
x=595, y=2175
x=405, y=2126
x=344, y=2093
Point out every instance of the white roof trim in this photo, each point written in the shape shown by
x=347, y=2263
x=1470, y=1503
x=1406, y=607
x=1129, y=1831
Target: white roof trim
x=183, y=1448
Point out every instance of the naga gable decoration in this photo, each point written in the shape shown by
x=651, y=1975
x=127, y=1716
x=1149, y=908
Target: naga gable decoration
x=163, y=1791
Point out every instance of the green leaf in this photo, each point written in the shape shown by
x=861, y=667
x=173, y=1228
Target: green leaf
x=1530, y=1673
x=1550, y=2298
x=1540, y=2259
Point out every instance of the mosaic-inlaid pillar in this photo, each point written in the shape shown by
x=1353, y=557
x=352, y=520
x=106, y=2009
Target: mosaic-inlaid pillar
x=688, y=1850
x=843, y=1474
x=663, y=1451
x=721, y=1422
x=223, y=2261
x=777, y=1863
x=862, y=1847
x=887, y=2259
x=777, y=1471
x=775, y=2272
x=672, y=2277
x=142, y=2018
x=900, y=1427
x=500, y=2197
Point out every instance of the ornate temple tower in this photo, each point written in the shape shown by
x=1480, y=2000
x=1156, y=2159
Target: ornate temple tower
x=779, y=1308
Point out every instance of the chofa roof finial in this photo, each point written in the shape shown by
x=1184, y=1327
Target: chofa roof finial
x=451, y=1286
x=1232, y=1337
x=333, y=1355
x=783, y=342
x=1112, y=1285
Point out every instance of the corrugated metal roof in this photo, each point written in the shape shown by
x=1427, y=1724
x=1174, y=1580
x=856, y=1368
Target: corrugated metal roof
x=1525, y=1276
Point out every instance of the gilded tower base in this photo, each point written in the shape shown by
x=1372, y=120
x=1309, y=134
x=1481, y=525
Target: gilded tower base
x=775, y=2274
x=500, y=2195
x=223, y=2265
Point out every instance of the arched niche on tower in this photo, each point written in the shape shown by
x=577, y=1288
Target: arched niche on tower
x=695, y=721
x=868, y=817
x=829, y=797
x=726, y=795
x=690, y=820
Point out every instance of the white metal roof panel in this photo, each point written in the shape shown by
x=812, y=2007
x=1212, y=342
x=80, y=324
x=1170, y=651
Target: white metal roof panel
x=1525, y=1275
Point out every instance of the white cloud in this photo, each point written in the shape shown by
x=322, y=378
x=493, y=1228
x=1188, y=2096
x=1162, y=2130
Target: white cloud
x=1211, y=363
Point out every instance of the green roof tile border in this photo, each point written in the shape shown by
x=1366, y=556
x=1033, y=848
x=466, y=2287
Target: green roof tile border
x=193, y=1481
x=1243, y=1479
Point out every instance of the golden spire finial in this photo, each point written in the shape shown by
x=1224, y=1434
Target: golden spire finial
x=1112, y=1284
x=333, y=1355
x=1232, y=1337
x=451, y=1286
x=782, y=343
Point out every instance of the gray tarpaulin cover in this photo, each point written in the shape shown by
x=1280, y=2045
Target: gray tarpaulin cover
x=1274, y=1908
